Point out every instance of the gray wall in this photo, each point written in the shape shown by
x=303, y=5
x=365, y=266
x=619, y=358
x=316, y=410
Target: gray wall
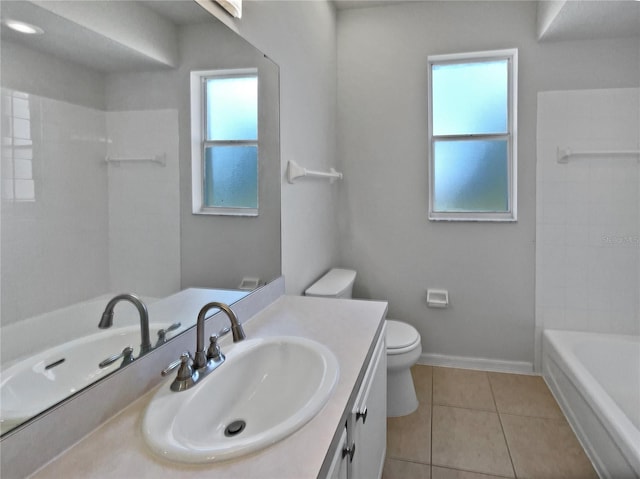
x=382, y=144
x=28, y=70
x=301, y=38
x=216, y=251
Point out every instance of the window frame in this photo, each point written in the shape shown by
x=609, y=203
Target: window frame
x=511, y=55
x=199, y=141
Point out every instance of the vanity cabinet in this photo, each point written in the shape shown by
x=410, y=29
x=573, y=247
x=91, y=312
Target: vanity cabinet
x=361, y=455
x=340, y=461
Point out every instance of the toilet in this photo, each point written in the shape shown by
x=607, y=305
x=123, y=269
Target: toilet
x=403, y=343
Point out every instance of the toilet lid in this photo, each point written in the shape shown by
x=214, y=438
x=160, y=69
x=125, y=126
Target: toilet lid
x=400, y=335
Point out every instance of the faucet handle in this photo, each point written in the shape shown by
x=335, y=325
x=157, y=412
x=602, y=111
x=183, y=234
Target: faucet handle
x=126, y=355
x=214, y=352
x=162, y=333
x=186, y=377
x=185, y=371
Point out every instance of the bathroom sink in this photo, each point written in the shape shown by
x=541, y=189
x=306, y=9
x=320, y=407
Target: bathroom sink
x=265, y=390
x=32, y=384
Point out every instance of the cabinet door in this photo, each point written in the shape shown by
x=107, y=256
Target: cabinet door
x=369, y=418
x=338, y=468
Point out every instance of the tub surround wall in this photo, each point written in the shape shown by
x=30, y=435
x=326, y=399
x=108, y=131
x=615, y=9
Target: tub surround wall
x=488, y=268
x=59, y=134
x=54, y=204
x=588, y=229
x=69, y=215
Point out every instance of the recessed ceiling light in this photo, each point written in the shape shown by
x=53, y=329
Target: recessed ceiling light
x=23, y=27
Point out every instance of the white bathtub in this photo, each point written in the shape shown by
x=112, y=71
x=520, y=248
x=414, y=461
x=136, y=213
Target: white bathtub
x=596, y=380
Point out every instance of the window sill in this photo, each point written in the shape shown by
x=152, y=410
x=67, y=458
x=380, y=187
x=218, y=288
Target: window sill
x=478, y=218
x=251, y=212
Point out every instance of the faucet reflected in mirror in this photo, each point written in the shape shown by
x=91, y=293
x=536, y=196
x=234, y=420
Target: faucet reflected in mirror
x=107, y=318
x=95, y=229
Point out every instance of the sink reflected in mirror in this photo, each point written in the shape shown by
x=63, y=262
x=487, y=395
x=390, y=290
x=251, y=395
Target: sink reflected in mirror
x=265, y=390
x=33, y=384
x=79, y=224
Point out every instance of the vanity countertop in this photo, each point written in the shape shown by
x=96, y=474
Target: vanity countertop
x=347, y=327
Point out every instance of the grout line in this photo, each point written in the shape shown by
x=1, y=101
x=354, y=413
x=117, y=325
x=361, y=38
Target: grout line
x=473, y=472
x=412, y=461
x=469, y=409
x=563, y=418
x=515, y=474
x=431, y=427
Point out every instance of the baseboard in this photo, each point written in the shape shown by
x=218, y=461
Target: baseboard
x=483, y=364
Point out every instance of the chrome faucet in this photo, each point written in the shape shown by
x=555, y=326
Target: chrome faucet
x=200, y=358
x=107, y=318
x=190, y=371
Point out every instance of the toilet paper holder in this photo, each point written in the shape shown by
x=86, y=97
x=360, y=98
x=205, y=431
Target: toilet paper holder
x=437, y=298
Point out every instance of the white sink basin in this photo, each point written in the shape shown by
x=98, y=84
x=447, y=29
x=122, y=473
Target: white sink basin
x=274, y=385
x=33, y=384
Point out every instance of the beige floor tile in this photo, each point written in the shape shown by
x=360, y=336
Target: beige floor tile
x=395, y=469
x=422, y=380
x=543, y=448
x=523, y=395
x=445, y=473
x=471, y=440
x=462, y=388
x=409, y=437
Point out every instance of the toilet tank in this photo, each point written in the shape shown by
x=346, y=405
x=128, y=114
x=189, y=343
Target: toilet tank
x=337, y=283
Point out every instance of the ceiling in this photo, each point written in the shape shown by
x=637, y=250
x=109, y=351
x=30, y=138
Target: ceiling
x=75, y=42
x=559, y=20
x=582, y=20
x=572, y=20
x=185, y=12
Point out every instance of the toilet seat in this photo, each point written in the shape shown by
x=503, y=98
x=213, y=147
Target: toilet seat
x=401, y=337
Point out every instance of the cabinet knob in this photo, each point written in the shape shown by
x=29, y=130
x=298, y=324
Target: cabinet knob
x=349, y=451
x=362, y=414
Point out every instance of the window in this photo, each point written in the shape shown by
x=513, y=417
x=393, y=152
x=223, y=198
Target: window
x=224, y=142
x=17, y=147
x=472, y=136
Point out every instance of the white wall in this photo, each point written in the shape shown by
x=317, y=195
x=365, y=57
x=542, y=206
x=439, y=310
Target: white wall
x=54, y=232
x=382, y=123
x=588, y=233
x=301, y=38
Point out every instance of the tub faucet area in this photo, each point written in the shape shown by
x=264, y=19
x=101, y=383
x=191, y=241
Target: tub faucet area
x=107, y=318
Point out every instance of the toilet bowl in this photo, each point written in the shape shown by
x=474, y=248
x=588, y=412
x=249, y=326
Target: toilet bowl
x=403, y=344
x=403, y=351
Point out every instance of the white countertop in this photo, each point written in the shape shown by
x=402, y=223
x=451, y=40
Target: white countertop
x=347, y=327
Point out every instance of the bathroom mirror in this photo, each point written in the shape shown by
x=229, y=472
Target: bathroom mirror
x=96, y=176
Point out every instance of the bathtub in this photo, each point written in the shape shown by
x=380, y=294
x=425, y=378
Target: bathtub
x=596, y=380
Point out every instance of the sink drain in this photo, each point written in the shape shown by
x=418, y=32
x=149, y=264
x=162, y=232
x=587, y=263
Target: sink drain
x=235, y=428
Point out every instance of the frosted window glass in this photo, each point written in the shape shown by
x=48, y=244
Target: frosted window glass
x=231, y=176
x=471, y=176
x=232, y=108
x=470, y=98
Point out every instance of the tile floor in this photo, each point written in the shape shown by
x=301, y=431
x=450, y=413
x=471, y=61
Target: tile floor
x=482, y=425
